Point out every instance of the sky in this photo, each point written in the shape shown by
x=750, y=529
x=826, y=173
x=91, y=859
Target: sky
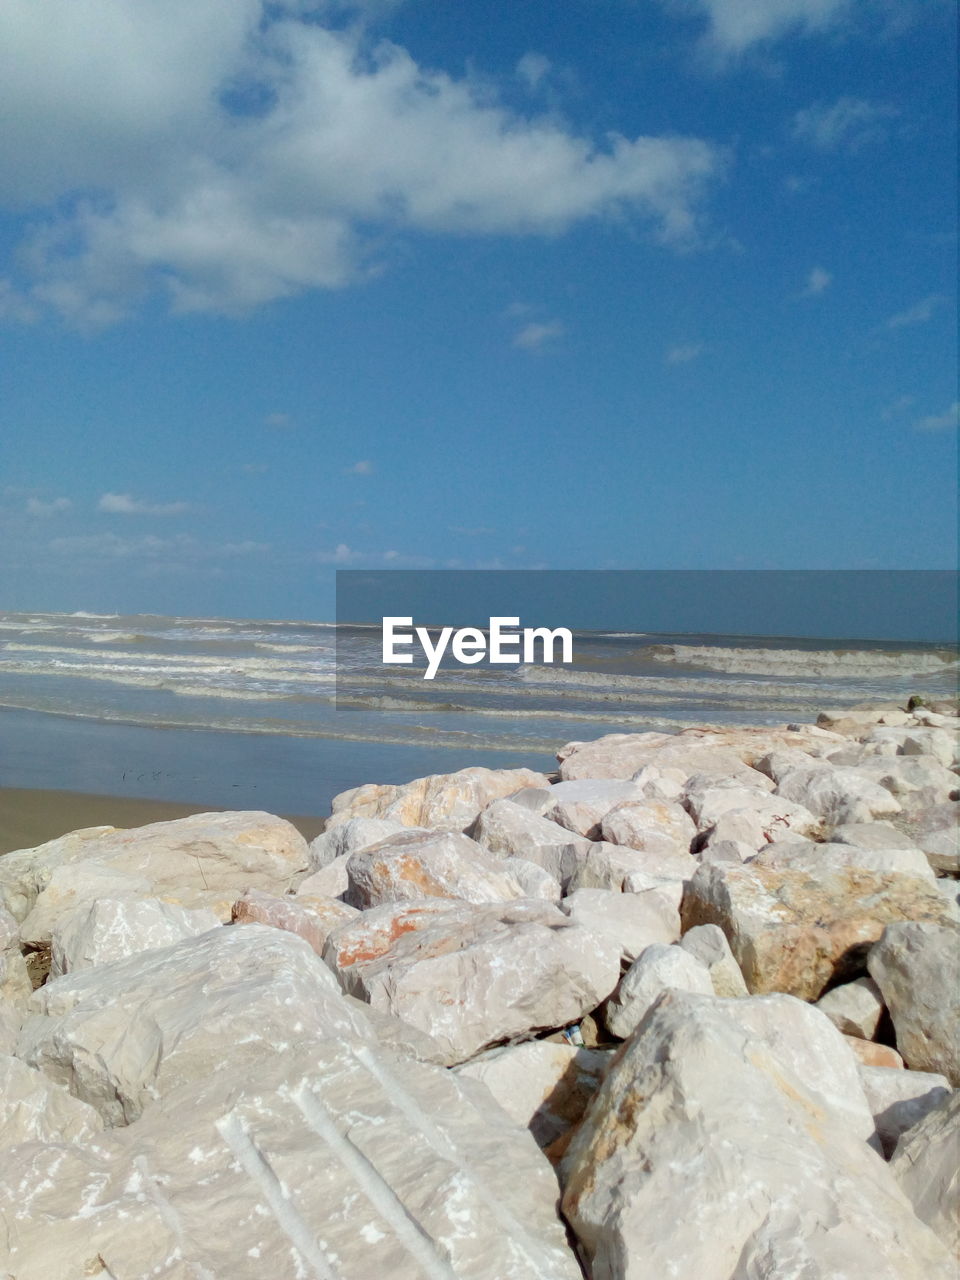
x=293, y=287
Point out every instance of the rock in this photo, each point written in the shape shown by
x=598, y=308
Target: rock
x=916, y=741
x=900, y=1099
x=936, y=831
x=837, y=794
x=442, y=801
x=918, y=782
x=660, y=784
x=609, y=866
x=15, y=984
x=777, y=764
x=795, y=934
x=871, y=835
x=399, y=1036
x=309, y=918
x=110, y=929
x=544, y=1087
x=708, y=945
x=428, y=865
x=926, y=1167
x=511, y=830
x=858, y=721
x=740, y=826
x=209, y=857
x=915, y=965
x=34, y=1109
x=657, y=969
x=333, y=1159
x=631, y=920
x=474, y=976
x=697, y=1101
x=534, y=881
x=776, y=815
x=728, y=851
x=349, y=836
x=581, y=806
x=651, y=826
x=854, y=1008
x=331, y=881
x=806, y=855
x=534, y=799
x=874, y=1055
x=123, y=1035
x=11, y=1020
x=615, y=755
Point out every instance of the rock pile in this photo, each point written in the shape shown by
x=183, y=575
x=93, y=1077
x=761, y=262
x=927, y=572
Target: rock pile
x=692, y=1009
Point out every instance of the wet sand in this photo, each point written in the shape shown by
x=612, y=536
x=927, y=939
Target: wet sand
x=28, y=817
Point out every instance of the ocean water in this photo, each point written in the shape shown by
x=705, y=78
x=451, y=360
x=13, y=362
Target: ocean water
x=317, y=698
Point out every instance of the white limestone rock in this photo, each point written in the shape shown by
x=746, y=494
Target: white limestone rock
x=441, y=801
x=854, y=1007
x=112, y=928
x=611, y=866
x=474, y=976
x=915, y=965
x=926, y=1166
x=652, y=826
x=708, y=945
x=632, y=920
x=35, y=1109
x=838, y=794
x=658, y=968
x=511, y=830
x=423, y=864
x=349, y=836
x=806, y=855
x=705, y=1144
x=899, y=1099
x=543, y=1086
x=581, y=806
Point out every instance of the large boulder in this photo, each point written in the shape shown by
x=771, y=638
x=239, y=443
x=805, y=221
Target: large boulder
x=631, y=920
x=652, y=826
x=937, y=831
x=926, y=1166
x=349, y=836
x=699, y=1100
x=899, y=1099
x=441, y=801
x=15, y=984
x=807, y=855
x=473, y=977
x=312, y=919
x=855, y=1008
x=423, y=864
x=708, y=944
x=709, y=803
x=793, y=933
x=916, y=964
x=123, y=1035
x=658, y=968
x=109, y=929
x=837, y=794
x=205, y=860
x=329, y=1159
x=615, y=866
x=544, y=1086
x=511, y=830
x=582, y=806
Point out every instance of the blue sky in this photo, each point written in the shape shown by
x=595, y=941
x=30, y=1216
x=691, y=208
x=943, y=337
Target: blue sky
x=598, y=284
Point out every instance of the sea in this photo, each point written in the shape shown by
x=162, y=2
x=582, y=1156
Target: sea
x=283, y=714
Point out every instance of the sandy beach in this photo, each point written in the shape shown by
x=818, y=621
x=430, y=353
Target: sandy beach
x=29, y=816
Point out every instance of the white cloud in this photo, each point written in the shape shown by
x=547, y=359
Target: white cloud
x=123, y=504
x=534, y=336
x=848, y=123
x=113, y=546
x=919, y=313
x=940, y=421
x=235, y=151
x=683, y=353
x=362, y=468
x=735, y=25
x=818, y=280
x=37, y=507
x=532, y=68
x=278, y=420
x=343, y=557
x=896, y=407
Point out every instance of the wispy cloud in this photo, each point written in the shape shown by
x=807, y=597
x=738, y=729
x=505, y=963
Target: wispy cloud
x=279, y=421
x=683, y=353
x=532, y=69
x=37, y=507
x=847, y=124
x=343, y=556
x=124, y=504
x=895, y=408
x=919, y=313
x=254, y=468
x=939, y=421
x=537, y=334
x=733, y=26
x=817, y=281
x=362, y=468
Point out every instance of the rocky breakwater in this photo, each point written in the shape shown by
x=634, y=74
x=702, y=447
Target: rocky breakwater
x=688, y=1008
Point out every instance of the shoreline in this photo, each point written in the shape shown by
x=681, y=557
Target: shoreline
x=30, y=816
